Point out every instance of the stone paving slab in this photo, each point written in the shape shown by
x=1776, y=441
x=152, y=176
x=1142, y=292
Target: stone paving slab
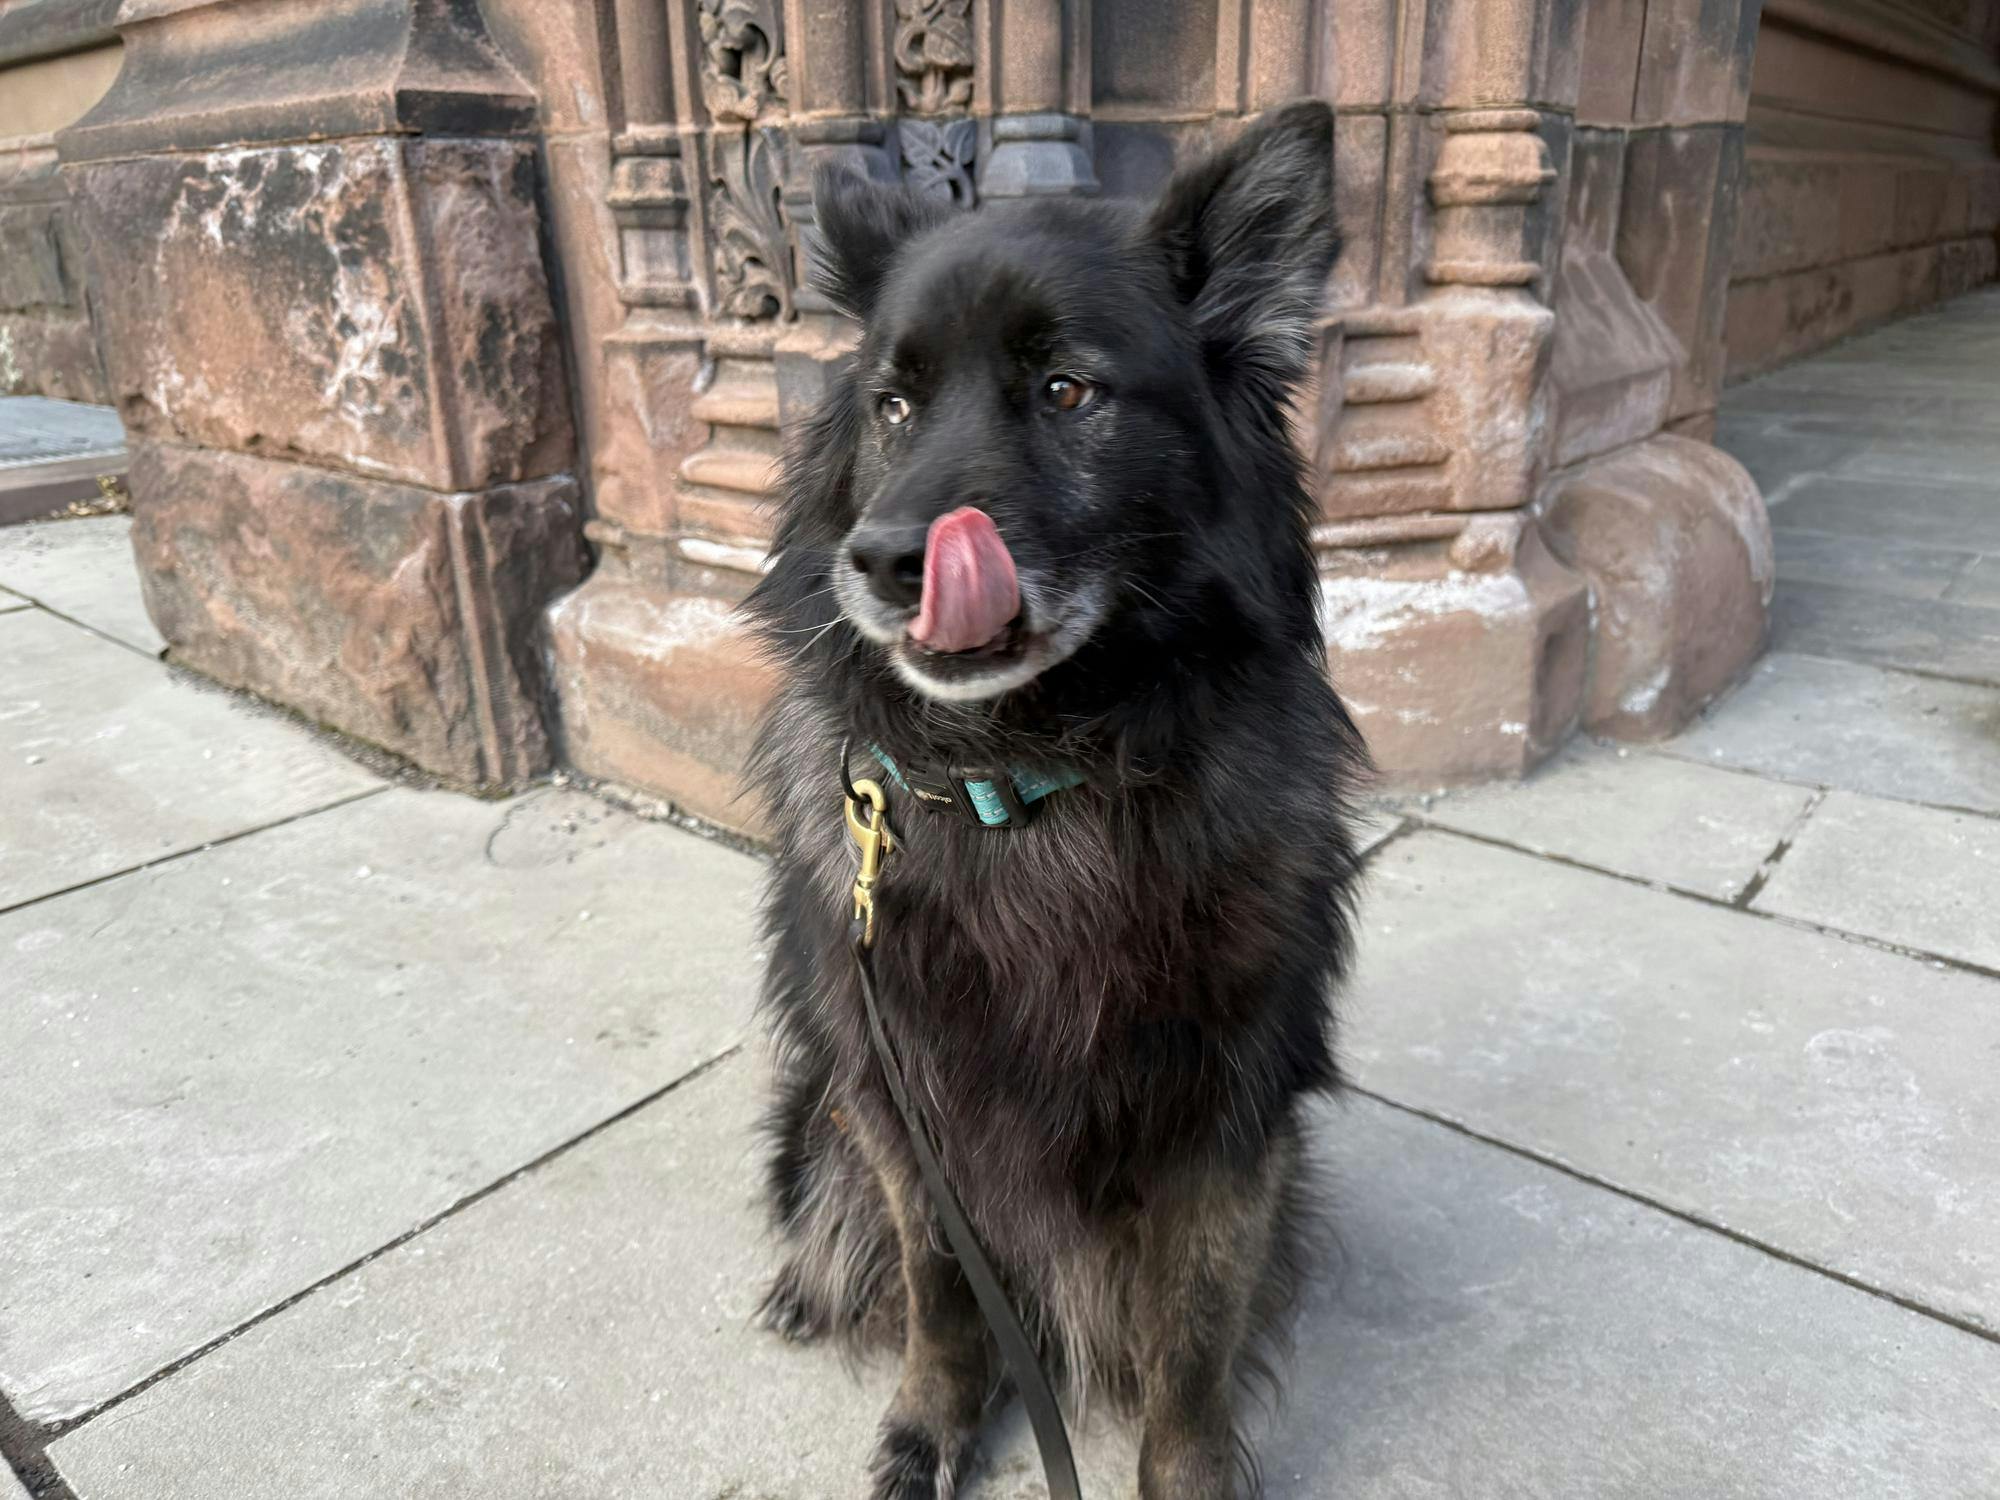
x=11, y=602
x=1980, y=585
x=231, y=1075
x=1965, y=517
x=1908, y=875
x=1809, y=1091
x=1909, y=572
x=10, y=1487
x=1863, y=728
x=107, y=760
x=1490, y=1327
x=1918, y=635
x=1650, y=817
x=83, y=569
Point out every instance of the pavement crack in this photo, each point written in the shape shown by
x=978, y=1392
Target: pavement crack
x=1685, y=1215
x=201, y=848
x=1769, y=867
x=62, y=1428
x=24, y=1446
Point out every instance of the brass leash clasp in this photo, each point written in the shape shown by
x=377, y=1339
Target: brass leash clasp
x=868, y=826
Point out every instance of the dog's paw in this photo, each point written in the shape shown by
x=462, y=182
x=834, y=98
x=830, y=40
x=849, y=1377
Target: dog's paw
x=914, y=1464
x=789, y=1311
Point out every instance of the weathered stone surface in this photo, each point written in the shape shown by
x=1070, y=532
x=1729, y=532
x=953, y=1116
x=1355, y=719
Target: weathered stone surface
x=407, y=618
x=1673, y=537
x=1915, y=876
x=1937, y=514
x=1463, y=661
x=1694, y=68
x=1980, y=584
x=1804, y=1090
x=32, y=269
x=1843, y=724
x=107, y=762
x=82, y=569
x=1694, y=827
x=373, y=305
x=204, y=1123
x=1613, y=34
x=1683, y=189
x=660, y=692
x=51, y=353
x=587, y=1329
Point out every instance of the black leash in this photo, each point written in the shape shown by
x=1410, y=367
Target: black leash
x=868, y=820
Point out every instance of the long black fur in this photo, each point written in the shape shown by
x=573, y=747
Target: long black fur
x=1115, y=1014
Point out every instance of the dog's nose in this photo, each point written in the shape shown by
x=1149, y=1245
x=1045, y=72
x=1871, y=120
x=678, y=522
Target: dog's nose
x=891, y=558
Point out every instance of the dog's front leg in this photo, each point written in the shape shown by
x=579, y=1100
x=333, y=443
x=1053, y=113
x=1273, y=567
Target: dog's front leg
x=928, y=1433
x=1205, y=1245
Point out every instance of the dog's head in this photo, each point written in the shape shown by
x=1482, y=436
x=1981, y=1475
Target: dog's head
x=1068, y=419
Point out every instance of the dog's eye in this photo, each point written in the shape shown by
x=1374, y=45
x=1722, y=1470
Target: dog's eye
x=895, y=410
x=1069, y=392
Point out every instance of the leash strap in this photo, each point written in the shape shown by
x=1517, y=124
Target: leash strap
x=867, y=819
x=1017, y=1350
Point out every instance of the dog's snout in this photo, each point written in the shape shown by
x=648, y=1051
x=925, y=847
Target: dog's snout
x=891, y=558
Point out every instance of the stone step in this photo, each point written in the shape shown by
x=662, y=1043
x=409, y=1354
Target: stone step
x=1387, y=382
x=745, y=460
x=1365, y=452
x=745, y=394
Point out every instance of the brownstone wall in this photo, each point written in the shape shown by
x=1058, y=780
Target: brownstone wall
x=1873, y=179
x=56, y=60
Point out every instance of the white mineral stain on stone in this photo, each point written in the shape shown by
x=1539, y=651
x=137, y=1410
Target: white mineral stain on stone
x=1362, y=612
x=725, y=555
x=1642, y=696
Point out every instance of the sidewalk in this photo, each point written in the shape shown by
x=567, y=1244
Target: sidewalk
x=358, y=1139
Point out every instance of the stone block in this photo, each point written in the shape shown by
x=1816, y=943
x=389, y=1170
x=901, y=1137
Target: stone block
x=1459, y=661
x=1677, y=221
x=1922, y=203
x=31, y=257
x=1695, y=66
x=1919, y=877
x=1360, y=165
x=1791, y=217
x=51, y=353
x=1596, y=188
x=408, y=618
x=1674, y=540
x=1613, y=34
x=1867, y=209
x=204, y=73
x=660, y=692
x=1613, y=362
x=373, y=305
x=561, y=52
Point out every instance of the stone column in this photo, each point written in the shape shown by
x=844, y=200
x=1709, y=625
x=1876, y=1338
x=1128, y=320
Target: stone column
x=337, y=364
x=1032, y=89
x=1460, y=643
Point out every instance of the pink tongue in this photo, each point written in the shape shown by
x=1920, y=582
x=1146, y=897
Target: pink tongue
x=970, y=592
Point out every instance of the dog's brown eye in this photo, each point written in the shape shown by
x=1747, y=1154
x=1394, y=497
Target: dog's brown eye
x=1069, y=392
x=895, y=410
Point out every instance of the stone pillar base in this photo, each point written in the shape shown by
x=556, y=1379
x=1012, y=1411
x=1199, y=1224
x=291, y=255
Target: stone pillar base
x=405, y=617
x=1461, y=658
x=1676, y=543
x=660, y=691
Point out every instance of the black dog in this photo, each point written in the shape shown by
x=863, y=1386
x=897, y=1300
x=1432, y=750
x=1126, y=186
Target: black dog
x=1049, y=531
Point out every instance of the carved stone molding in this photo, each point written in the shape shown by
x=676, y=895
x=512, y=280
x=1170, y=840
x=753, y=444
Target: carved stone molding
x=743, y=59
x=1487, y=189
x=752, y=254
x=933, y=48
x=937, y=158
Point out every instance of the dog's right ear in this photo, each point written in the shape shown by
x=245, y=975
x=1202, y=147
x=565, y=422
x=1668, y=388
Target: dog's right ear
x=860, y=225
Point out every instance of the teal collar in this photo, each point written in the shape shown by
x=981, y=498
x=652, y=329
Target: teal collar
x=992, y=799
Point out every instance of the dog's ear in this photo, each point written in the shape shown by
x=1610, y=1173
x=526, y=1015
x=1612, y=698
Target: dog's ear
x=860, y=224
x=1249, y=238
